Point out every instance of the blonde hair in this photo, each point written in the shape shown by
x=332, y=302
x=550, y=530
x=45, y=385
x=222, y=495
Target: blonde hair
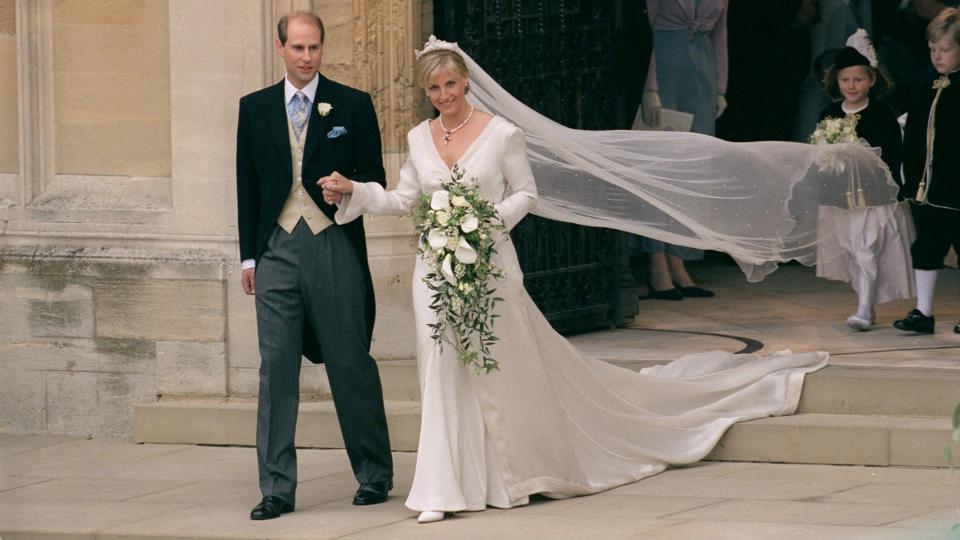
x=946, y=23
x=433, y=61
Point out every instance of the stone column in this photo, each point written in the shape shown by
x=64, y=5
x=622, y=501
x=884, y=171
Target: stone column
x=385, y=33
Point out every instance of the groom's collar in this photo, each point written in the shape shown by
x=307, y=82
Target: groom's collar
x=310, y=90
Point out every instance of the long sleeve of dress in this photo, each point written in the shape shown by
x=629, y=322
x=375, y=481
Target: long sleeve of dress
x=372, y=198
x=653, y=6
x=521, y=195
x=719, y=37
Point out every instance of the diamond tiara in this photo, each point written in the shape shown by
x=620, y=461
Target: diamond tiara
x=433, y=44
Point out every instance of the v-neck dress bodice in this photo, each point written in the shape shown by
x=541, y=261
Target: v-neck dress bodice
x=551, y=420
x=424, y=128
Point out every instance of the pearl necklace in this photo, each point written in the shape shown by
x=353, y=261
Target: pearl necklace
x=448, y=132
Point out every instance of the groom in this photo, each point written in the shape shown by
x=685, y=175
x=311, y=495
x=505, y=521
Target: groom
x=313, y=290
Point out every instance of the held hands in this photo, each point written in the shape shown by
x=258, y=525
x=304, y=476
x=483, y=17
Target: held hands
x=651, y=108
x=334, y=186
x=721, y=104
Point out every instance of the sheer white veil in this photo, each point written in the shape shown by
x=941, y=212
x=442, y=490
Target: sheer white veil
x=758, y=201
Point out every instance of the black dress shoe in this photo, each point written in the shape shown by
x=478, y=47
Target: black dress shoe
x=270, y=507
x=696, y=292
x=956, y=329
x=669, y=294
x=916, y=321
x=372, y=493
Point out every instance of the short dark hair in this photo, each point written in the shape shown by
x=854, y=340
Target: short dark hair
x=309, y=15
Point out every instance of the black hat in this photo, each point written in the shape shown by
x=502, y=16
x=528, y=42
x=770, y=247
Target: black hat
x=848, y=56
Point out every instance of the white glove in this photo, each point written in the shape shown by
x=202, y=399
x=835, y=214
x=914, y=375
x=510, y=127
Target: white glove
x=651, y=109
x=721, y=104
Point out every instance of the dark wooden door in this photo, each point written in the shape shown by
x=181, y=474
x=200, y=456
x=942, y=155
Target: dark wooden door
x=578, y=62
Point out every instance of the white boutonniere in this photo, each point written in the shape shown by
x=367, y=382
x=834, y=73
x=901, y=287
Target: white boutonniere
x=324, y=108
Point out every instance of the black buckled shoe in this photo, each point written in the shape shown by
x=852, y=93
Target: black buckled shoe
x=372, y=493
x=270, y=507
x=915, y=321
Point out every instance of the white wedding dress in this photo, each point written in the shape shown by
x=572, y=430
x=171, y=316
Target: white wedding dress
x=551, y=420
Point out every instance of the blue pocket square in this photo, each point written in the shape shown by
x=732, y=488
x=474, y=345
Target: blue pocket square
x=336, y=132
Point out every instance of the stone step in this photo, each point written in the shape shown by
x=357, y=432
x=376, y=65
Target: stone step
x=400, y=380
x=235, y=423
x=871, y=390
x=841, y=439
x=832, y=390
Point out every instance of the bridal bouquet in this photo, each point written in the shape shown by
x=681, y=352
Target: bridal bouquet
x=833, y=131
x=457, y=226
x=836, y=130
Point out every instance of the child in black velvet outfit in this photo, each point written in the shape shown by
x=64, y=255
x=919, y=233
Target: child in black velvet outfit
x=931, y=166
x=877, y=246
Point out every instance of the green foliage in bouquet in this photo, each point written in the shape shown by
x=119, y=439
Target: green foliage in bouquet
x=458, y=228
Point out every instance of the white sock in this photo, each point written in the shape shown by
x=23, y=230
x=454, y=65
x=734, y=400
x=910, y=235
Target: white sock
x=926, y=285
x=865, y=312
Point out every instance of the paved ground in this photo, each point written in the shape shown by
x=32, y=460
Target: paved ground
x=55, y=487
x=105, y=488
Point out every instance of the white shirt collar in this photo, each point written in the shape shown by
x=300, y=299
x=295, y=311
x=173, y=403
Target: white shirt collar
x=310, y=90
x=844, y=108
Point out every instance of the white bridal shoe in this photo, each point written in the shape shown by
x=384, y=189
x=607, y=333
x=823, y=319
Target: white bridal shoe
x=430, y=516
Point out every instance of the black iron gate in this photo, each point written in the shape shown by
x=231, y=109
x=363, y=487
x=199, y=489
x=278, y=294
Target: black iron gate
x=574, y=61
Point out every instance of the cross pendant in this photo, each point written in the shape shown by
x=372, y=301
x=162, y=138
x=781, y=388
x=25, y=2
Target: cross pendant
x=446, y=138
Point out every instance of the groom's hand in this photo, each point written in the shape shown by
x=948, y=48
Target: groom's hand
x=334, y=186
x=247, y=280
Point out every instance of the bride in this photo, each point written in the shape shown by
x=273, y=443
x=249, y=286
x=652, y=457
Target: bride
x=551, y=421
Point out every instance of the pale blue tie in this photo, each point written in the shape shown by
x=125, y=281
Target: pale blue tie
x=298, y=109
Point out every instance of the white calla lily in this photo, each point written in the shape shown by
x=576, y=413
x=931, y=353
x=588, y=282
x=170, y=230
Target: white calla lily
x=440, y=200
x=436, y=238
x=469, y=223
x=447, y=270
x=453, y=242
x=465, y=252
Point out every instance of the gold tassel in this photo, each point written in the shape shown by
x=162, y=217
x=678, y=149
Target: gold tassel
x=861, y=198
x=850, y=205
x=921, y=192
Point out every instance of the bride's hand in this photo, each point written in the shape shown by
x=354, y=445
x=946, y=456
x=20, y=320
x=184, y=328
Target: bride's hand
x=334, y=186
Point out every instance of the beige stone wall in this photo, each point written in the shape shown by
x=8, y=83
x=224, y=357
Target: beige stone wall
x=111, y=70
x=118, y=246
x=9, y=94
x=89, y=332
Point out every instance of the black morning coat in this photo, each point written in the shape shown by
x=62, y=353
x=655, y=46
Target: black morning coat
x=943, y=188
x=878, y=125
x=264, y=171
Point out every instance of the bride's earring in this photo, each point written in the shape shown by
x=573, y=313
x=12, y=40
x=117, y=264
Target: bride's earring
x=466, y=89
